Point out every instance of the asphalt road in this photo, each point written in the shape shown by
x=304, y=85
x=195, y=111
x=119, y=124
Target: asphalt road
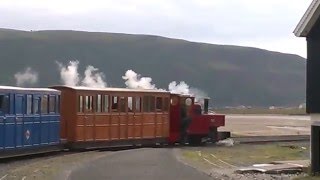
x=142, y=164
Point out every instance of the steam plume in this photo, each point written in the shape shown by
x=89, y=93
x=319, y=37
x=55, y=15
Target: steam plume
x=134, y=81
x=183, y=88
x=26, y=78
x=70, y=76
x=198, y=94
x=180, y=88
x=93, y=78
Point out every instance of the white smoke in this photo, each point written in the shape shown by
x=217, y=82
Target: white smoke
x=70, y=76
x=26, y=78
x=185, y=89
x=93, y=78
x=135, y=81
x=198, y=94
x=180, y=88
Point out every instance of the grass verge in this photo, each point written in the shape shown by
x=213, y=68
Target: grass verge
x=248, y=154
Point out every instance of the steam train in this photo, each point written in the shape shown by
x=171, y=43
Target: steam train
x=34, y=120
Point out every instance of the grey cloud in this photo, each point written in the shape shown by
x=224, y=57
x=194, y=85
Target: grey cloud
x=230, y=21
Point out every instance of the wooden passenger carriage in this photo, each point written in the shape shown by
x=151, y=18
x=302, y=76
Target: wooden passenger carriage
x=102, y=117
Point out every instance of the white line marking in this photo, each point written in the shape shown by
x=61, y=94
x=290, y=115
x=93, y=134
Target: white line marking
x=199, y=153
x=223, y=161
x=3, y=177
x=212, y=163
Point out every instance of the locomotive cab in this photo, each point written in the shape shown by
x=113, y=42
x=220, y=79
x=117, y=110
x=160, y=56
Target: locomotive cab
x=204, y=125
x=191, y=122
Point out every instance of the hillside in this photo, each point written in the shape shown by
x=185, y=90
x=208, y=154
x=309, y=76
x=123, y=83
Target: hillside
x=231, y=75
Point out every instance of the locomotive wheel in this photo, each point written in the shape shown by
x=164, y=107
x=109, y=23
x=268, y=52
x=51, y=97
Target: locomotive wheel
x=195, y=140
x=213, y=135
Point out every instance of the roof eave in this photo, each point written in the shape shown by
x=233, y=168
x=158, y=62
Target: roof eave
x=308, y=20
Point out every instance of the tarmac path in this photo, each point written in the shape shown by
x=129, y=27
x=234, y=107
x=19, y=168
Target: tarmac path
x=142, y=164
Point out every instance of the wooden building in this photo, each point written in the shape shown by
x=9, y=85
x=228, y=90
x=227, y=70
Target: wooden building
x=309, y=27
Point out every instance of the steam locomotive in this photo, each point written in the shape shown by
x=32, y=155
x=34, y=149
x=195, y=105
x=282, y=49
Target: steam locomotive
x=36, y=120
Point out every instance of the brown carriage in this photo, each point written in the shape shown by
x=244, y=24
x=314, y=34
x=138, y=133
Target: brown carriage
x=102, y=117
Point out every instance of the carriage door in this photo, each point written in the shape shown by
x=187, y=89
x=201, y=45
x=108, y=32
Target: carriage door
x=36, y=134
x=19, y=135
x=4, y=111
x=175, y=118
x=28, y=129
x=130, y=118
x=159, y=118
x=2, y=118
x=123, y=124
x=138, y=118
x=89, y=119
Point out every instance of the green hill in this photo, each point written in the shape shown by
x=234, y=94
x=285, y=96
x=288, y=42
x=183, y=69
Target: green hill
x=231, y=75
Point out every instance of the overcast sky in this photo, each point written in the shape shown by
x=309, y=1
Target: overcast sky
x=265, y=24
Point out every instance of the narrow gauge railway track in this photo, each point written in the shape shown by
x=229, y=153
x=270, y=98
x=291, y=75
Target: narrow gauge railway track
x=62, y=152
x=242, y=140
x=44, y=155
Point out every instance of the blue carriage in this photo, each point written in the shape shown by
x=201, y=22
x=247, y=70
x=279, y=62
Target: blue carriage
x=29, y=120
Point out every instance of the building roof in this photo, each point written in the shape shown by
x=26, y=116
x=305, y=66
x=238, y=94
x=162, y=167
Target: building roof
x=112, y=89
x=308, y=20
x=27, y=89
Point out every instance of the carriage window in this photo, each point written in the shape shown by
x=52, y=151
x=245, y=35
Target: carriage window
x=166, y=104
x=188, y=101
x=44, y=104
x=138, y=104
x=197, y=110
x=58, y=104
x=206, y=106
x=123, y=107
x=174, y=101
x=89, y=103
x=130, y=103
x=52, y=104
x=36, y=102
x=152, y=103
x=114, y=103
x=29, y=104
x=4, y=104
x=99, y=103
x=80, y=103
x=19, y=108
x=159, y=104
x=146, y=105
x=106, y=103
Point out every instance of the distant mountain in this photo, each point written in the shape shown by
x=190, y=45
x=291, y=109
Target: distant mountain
x=230, y=75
